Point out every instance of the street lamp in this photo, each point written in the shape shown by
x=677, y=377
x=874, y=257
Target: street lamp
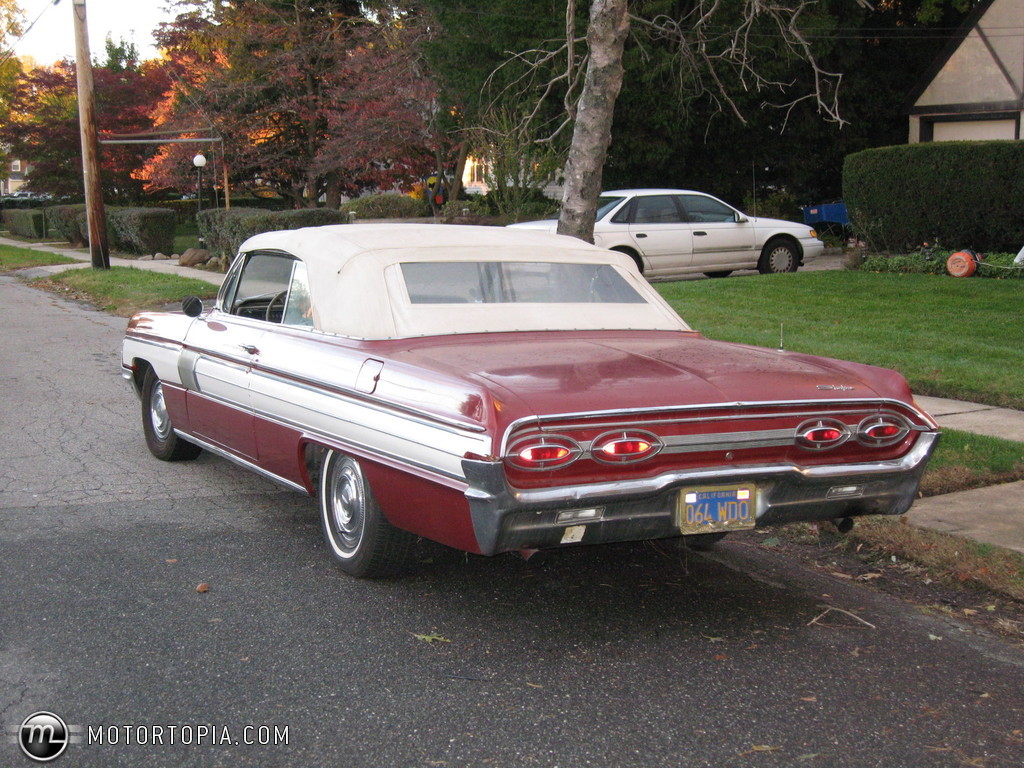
x=199, y=161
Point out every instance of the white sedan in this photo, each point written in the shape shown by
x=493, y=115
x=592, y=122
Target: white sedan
x=673, y=232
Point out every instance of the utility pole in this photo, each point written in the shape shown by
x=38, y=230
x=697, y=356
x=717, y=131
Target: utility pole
x=95, y=215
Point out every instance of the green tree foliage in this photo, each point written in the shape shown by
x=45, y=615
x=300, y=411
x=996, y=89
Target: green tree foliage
x=312, y=97
x=43, y=126
x=10, y=68
x=669, y=133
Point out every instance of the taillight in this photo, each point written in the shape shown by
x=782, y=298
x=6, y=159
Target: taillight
x=543, y=452
x=881, y=431
x=821, y=434
x=623, y=447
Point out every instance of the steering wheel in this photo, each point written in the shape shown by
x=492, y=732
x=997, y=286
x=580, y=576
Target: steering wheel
x=276, y=314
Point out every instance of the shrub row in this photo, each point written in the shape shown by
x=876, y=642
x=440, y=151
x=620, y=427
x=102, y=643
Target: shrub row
x=132, y=230
x=969, y=194
x=995, y=265
x=24, y=222
x=388, y=206
x=225, y=230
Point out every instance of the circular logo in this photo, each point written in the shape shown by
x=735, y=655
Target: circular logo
x=43, y=736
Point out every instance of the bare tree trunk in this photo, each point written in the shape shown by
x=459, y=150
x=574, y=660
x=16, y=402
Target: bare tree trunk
x=592, y=133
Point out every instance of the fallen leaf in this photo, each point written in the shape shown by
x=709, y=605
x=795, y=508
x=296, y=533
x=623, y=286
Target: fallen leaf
x=811, y=699
x=171, y=561
x=720, y=657
x=934, y=637
x=840, y=575
x=204, y=587
x=431, y=638
x=869, y=576
x=970, y=612
x=535, y=685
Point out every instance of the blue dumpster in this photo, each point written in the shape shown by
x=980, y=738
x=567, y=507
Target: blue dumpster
x=826, y=213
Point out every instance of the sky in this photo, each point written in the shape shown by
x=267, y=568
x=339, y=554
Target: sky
x=53, y=36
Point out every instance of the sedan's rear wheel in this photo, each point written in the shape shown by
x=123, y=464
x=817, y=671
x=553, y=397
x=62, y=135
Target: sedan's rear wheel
x=161, y=439
x=778, y=256
x=363, y=542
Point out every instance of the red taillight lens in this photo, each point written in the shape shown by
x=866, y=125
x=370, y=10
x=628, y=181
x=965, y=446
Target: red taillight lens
x=821, y=434
x=881, y=431
x=622, y=447
x=543, y=452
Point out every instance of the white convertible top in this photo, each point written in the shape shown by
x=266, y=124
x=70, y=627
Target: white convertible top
x=357, y=288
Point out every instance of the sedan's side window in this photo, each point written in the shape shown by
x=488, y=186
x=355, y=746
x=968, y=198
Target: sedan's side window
x=263, y=287
x=700, y=208
x=657, y=209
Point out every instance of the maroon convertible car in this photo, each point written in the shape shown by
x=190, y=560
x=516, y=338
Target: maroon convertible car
x=499, y=390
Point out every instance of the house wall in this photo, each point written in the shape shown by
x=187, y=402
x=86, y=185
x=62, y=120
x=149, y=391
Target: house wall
x=978, y=92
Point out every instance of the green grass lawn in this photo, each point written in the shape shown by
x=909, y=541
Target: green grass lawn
x=126, y=290
x=12, y=257
x=958, y=338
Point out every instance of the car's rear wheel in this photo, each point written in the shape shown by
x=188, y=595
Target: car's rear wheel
x=360, y=538
x=778, y=256
x=161, y=439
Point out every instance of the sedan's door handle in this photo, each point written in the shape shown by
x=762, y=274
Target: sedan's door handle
x=641, y=234
x=250, y=348
x=700, y=234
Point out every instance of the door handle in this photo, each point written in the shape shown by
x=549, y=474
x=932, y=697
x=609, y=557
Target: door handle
x=700, y=234
x=640, y=235
x=250, y=348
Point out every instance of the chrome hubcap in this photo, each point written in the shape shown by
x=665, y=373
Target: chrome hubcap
x=158, y=412
x=346, y=506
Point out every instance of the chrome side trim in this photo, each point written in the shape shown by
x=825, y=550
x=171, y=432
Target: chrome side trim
x=241, y=462
x=320, y=388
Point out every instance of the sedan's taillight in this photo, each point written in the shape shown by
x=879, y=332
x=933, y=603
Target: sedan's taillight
x=821, y=434
x=626, y=446
x=881, y=431
x=543, y=452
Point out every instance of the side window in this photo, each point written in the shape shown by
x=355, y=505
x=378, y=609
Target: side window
x=298, y=310
x=262, y=288
x=657, y=209
x=700, y=208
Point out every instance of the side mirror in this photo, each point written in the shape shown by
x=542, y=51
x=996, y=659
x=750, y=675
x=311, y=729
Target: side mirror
x=192, y=306
x=741, y=218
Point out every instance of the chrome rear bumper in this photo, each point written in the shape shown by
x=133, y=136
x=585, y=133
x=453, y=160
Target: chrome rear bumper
x=507, y=519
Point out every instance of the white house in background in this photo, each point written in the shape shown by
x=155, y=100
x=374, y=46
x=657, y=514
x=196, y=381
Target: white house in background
x=16, y=172
x=975, y=89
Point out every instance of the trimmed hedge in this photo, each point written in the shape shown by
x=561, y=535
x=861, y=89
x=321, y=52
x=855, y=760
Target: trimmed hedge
x=964, y=194
x=225, y=230
x=130, y=230
x=387, y=206
x=24, y=222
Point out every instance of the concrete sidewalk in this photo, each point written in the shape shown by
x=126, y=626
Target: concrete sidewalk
x=167, y=266
x=993, y=515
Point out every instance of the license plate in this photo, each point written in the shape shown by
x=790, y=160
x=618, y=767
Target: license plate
x=713, y=509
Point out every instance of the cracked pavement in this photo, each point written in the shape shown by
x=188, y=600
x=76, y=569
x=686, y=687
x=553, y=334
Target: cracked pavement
x=633, y=655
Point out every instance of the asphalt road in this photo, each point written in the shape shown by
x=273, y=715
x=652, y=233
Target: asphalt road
x=633, y=655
